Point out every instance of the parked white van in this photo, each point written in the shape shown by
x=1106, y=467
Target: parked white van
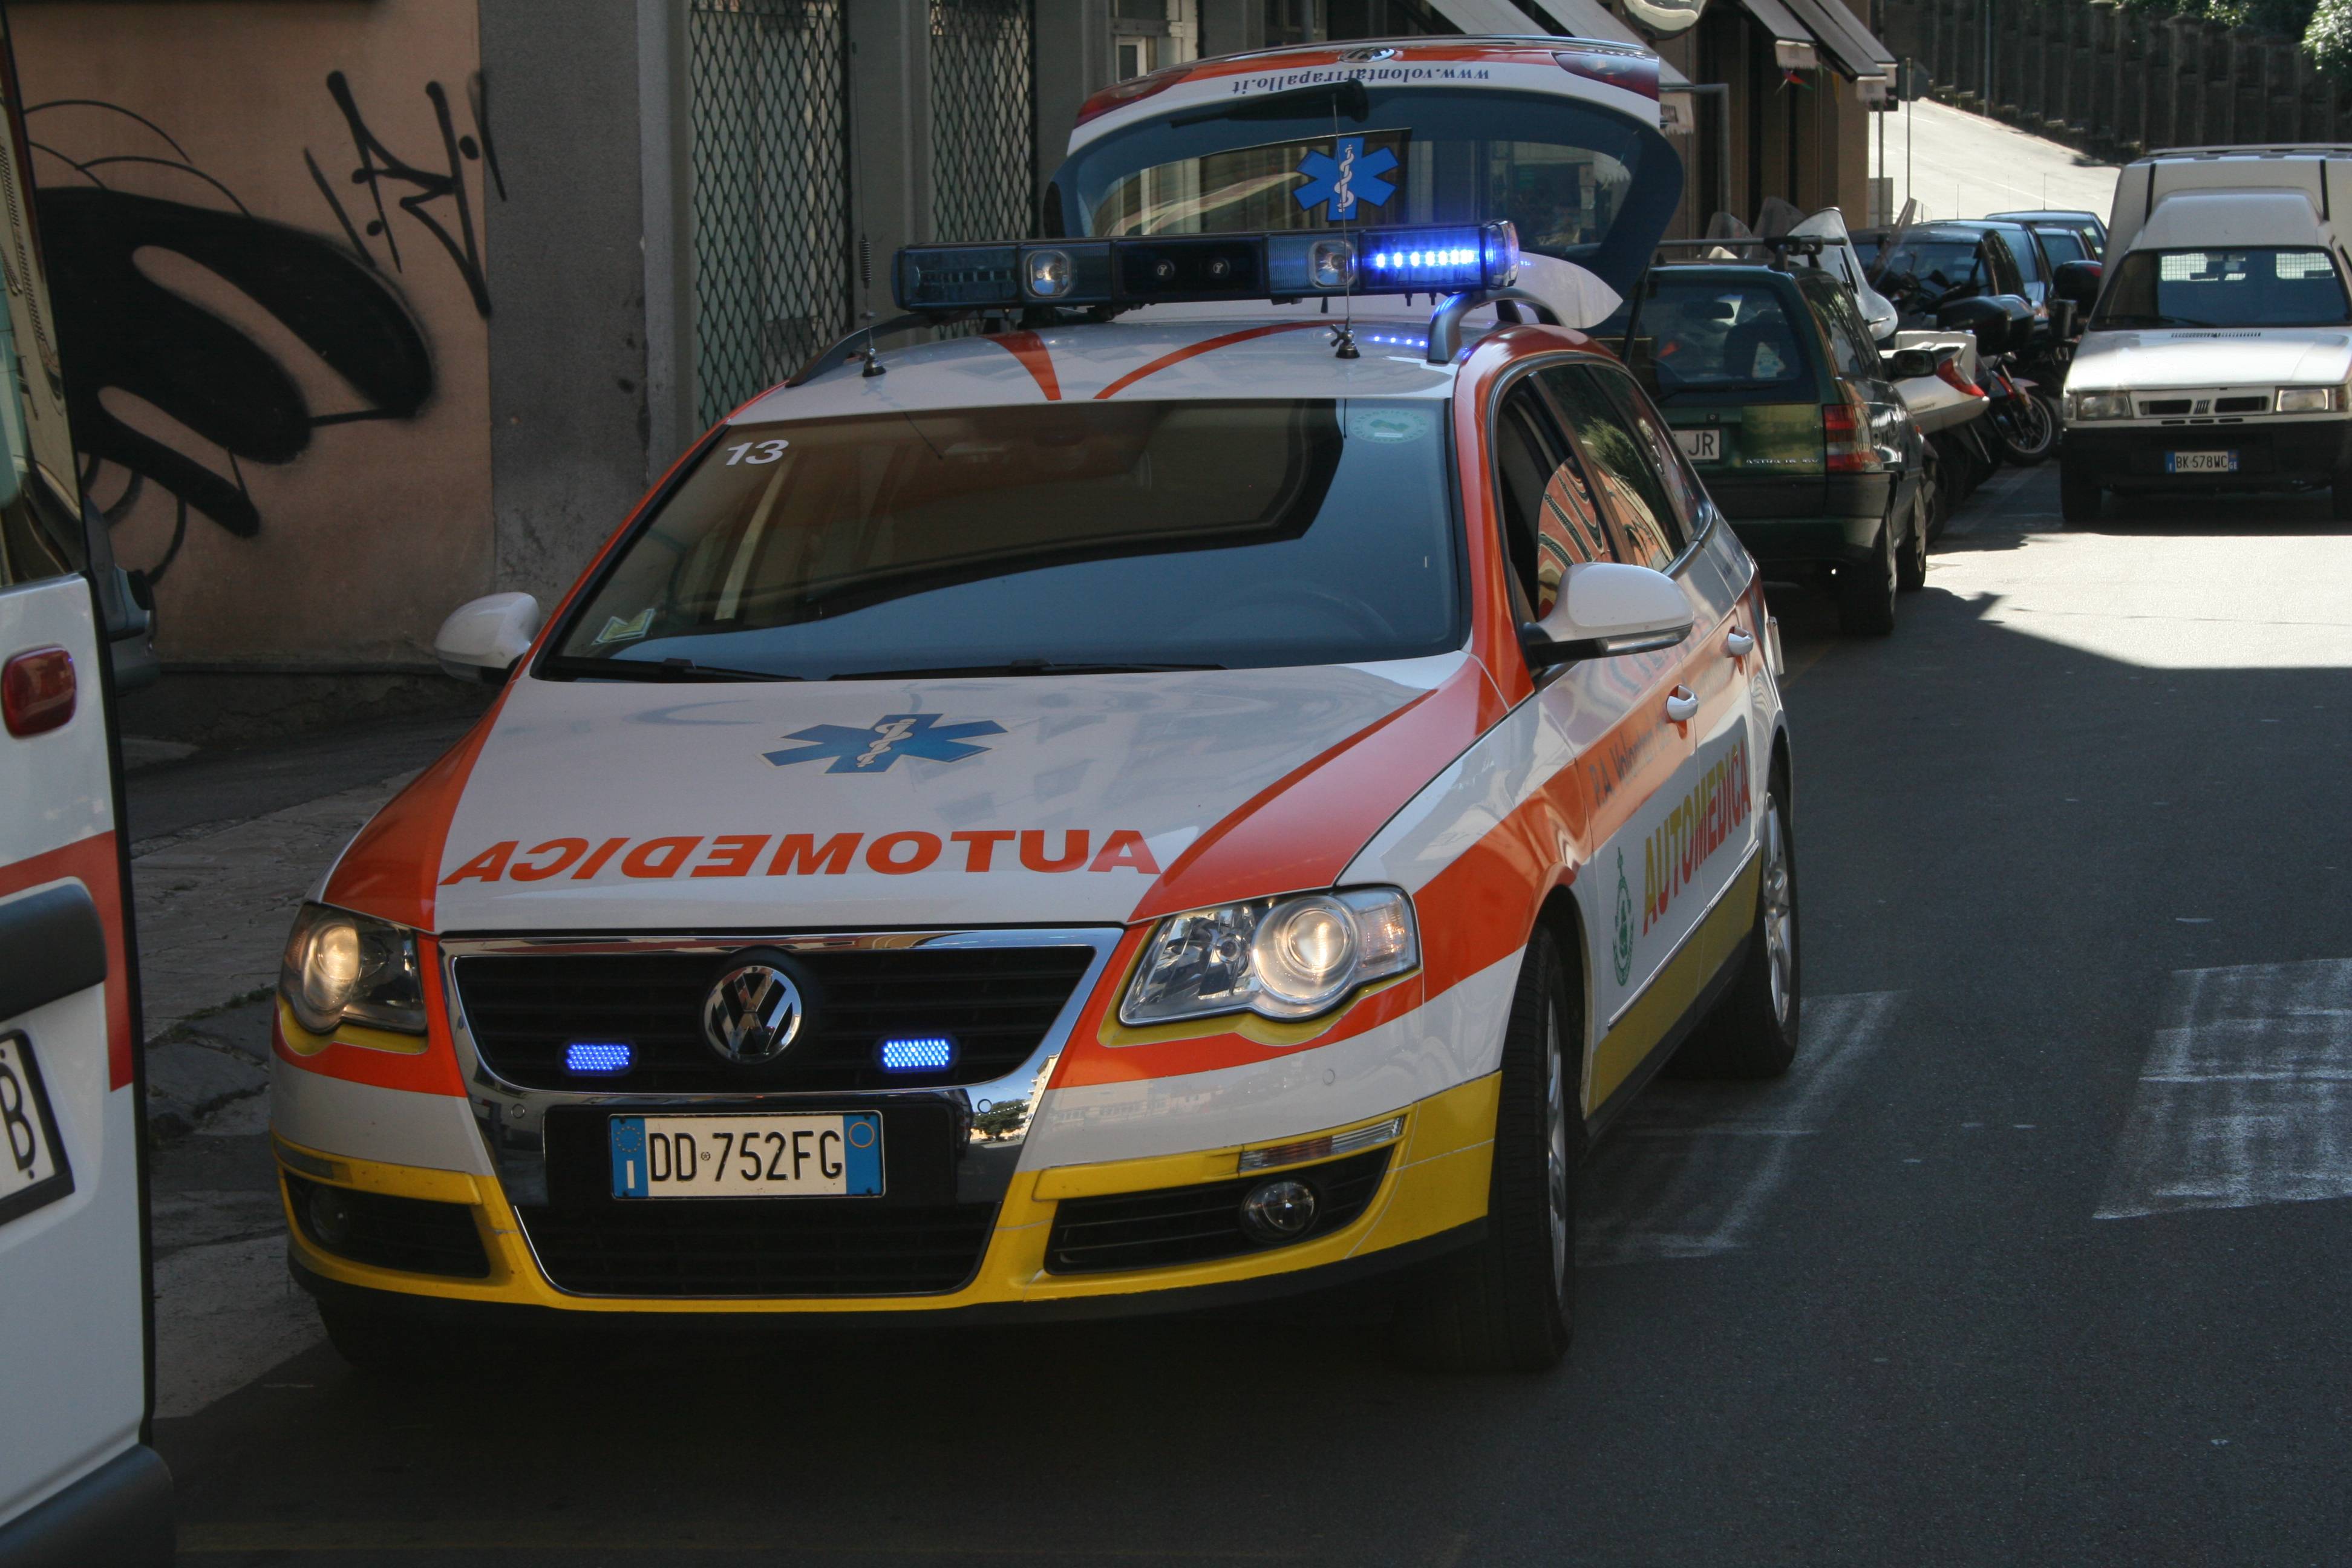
x=2217, y=357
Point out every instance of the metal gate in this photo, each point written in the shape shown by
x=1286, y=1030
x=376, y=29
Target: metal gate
x=767, y=84
x=983, y=119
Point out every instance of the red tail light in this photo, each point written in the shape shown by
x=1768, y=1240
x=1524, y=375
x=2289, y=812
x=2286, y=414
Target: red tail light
x=37, y=691
x=1949, y=371
x=1845, y=440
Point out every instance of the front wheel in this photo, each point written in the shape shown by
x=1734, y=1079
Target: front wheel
x=2079, y=495
x=2025, y=429
x=1508, y=1303
x=1752, y=1032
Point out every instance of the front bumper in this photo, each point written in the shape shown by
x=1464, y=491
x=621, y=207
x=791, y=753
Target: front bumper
x=2272, y=454
x=1432, y=1193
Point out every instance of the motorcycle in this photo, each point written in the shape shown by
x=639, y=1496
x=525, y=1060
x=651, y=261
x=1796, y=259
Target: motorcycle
x=2024, y=425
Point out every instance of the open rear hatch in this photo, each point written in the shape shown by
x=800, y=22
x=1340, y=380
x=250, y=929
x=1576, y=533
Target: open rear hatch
x=1563, y=143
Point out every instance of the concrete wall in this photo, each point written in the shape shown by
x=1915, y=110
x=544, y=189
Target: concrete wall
x=284, y=400
x=568, y=415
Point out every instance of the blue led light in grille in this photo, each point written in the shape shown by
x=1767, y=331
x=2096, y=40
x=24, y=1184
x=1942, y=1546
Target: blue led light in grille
x=918, y=1053
x=604, y=1057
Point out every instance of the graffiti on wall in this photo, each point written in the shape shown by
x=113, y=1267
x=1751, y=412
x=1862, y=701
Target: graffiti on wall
x=228, y=399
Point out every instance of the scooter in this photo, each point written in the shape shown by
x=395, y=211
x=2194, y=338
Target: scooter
x=2023, y=425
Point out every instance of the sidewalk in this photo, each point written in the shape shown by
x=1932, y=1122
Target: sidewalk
x=223, y=848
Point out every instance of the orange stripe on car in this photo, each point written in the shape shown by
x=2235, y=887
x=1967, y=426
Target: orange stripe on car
x=1206, y=345
x=1030, y=350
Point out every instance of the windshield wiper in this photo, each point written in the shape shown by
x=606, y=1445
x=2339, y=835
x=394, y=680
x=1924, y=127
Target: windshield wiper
x=576, y=669
x=1016, y=667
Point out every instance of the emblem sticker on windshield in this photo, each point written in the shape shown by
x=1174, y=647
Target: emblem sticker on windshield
x=617, y=629
x=873, y=749
x=1338, y=183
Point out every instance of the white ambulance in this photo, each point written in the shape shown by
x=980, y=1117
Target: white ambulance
x=78, y=1482
x=1218, y=783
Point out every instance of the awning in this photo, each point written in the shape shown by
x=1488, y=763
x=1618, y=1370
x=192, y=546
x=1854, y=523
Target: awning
x=1777, y=23
x=1842, y=36
x=1574, y=18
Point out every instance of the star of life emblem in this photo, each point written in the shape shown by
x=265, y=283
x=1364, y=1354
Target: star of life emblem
x=873, y=749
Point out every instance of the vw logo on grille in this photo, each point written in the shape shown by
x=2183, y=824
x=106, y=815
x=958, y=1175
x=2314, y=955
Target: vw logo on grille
x=753, y=1013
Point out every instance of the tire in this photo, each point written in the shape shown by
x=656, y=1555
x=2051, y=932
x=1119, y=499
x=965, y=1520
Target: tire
x=1865, y=593
x=2027, y=432
x=1911, y=564
x=376, y=1344
x=1752, y=1031
x=1507, y=1304
x=2080, y=496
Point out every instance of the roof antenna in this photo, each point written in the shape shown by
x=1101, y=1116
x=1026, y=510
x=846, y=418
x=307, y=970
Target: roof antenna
x=1344, y=338
x=866, y=282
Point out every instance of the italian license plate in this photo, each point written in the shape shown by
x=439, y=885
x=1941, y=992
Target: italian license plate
x=33, y=1171
x=835, y=1155
x=1701, y=446
x=2200, y=462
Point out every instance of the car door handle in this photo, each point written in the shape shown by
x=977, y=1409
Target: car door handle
x=1738, y=644
x=1681, y=705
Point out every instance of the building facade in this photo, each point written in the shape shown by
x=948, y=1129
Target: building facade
x=379, y=305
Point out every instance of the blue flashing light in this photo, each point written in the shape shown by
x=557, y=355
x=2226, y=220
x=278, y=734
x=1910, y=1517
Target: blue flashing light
x=918, y=1053
x=603, y=1058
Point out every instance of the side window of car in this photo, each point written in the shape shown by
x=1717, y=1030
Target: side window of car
x=1622, y=448
x=1850, y=344
x=1549, y=519
x=2003, y=266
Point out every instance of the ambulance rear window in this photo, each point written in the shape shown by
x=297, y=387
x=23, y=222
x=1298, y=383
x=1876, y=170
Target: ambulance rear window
x=1188, y=533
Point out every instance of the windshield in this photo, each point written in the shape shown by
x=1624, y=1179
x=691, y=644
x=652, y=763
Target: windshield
x=2269, y=287
x=1934, y=270
x=1707, y=341
x=1191, y=533
x=1568, y=176
x=2063, y=246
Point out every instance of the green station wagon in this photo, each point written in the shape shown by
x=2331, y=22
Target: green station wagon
x=1785, y=406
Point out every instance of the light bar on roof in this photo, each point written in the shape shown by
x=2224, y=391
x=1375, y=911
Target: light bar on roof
x=1167, y=269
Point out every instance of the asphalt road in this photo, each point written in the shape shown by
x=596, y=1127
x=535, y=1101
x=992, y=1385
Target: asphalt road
x=2039, y=1255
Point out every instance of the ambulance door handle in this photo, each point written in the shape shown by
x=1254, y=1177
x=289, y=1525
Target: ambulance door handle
x=1681, y=705
x=1738, y=644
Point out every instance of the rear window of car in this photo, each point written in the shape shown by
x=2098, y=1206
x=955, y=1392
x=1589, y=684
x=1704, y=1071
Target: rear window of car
x=1716, y=342
x=2063, y=246
x=2262, y=287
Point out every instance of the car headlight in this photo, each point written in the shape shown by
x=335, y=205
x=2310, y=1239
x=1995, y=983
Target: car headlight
x=2310, y=399
x=340, y=966
x=2098, y=406
x=1282, y=958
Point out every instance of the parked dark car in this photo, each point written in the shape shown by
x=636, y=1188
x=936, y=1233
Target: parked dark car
x=1782, y=403
x=1936, y=265
x=2090, y=228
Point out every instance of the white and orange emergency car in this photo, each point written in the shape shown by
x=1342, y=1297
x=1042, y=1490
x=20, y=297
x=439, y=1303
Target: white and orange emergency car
x=1216, y=782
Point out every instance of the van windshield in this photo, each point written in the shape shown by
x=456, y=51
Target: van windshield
x=2264, y=286
x=1188, y=534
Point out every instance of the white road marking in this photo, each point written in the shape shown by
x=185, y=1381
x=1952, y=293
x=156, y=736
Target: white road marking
x=2246, y=1098
x=1691, y=1167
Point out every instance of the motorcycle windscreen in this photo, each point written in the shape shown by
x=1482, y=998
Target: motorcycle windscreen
x=1581, y=182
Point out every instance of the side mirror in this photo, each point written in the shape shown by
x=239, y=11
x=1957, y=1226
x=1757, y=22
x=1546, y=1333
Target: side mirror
x=1604, y=609
x=2078, y=281
x=481, y=640
x=1909, y=364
